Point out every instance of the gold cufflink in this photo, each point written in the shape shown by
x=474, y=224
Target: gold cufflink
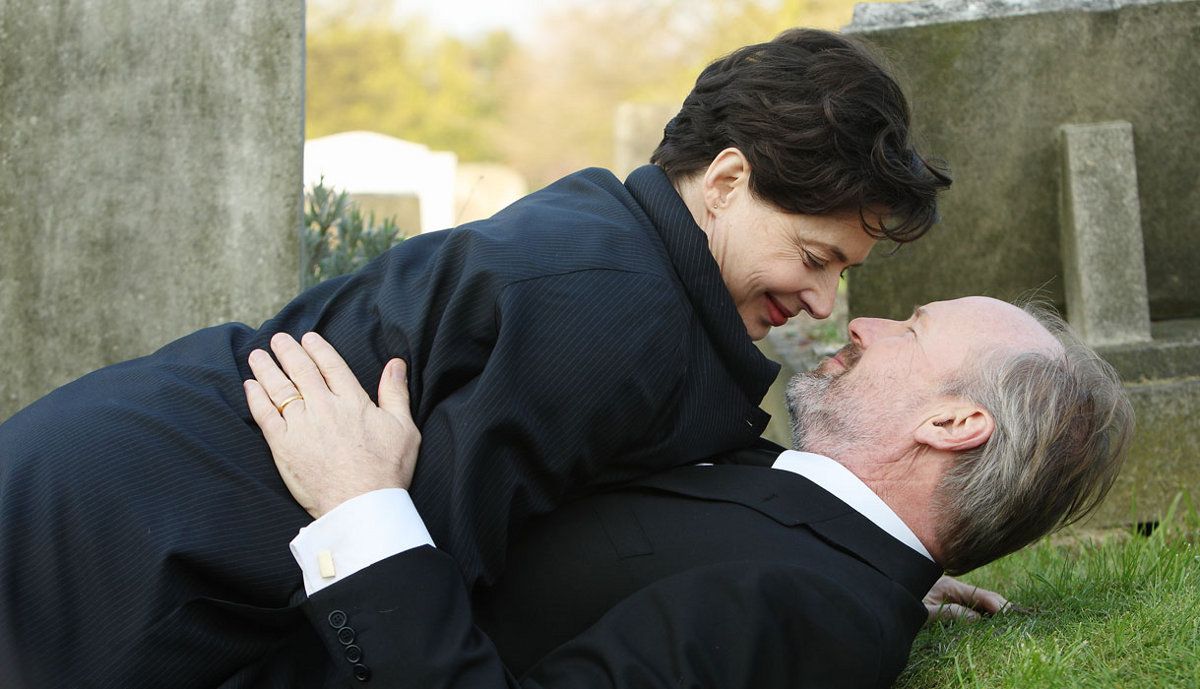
x=325, y=563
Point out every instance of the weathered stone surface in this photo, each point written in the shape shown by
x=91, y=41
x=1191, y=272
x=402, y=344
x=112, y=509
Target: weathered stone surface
x=405, y=209
x=1173, y=353
x=638, y=131
x=990, y=95
x=891, y=15
x=1163, y=380
x=1165, y=456
x=1104, y=269
x=150, y=177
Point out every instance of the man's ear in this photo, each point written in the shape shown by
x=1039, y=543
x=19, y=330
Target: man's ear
x=727, y=172
x=956, y=427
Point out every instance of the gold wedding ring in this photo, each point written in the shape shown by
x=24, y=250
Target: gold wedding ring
x=294, y=398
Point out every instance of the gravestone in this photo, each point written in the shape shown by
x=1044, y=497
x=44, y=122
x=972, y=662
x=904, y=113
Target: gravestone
x=375, y=167
x=989, y=95
x=404, y=209
x=1070, y=126
x=150, y=157
x=1100, y=235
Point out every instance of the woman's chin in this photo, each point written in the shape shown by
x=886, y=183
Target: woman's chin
x=757, y=329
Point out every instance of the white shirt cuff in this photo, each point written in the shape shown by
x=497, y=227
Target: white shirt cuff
x=356, y=534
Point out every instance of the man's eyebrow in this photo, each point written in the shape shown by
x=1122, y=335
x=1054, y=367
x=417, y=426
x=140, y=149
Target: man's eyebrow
x=918, y=311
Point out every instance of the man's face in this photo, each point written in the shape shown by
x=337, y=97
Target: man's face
x=873, y=391
x=778, y=264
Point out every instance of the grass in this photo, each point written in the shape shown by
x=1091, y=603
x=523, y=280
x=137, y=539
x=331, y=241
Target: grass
x=1121, y=610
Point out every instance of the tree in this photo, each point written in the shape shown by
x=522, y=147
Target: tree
x=368, y=72
x=545, y=106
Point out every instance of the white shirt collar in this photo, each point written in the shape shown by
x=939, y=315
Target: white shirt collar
x=848, y=488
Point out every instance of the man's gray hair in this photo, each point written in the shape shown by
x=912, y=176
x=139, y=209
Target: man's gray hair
x=1062, y=425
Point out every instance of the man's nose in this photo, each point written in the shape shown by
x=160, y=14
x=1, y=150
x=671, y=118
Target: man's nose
x=864, y=331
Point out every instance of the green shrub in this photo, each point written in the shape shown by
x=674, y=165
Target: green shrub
x=336, y=238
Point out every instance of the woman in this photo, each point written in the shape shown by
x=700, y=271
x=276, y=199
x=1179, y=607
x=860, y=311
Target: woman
x=595, y=330
x=590, y=332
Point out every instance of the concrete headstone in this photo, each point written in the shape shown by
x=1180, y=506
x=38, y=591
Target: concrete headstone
x=1104, y=267
x=368, y=164
x=150, y=157
x=989, y=96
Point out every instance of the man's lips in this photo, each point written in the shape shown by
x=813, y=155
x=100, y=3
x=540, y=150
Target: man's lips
x=776, y=313
x=844, y=359
x=831, y=364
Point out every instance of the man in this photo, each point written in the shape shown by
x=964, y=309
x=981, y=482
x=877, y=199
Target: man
x=940, y=442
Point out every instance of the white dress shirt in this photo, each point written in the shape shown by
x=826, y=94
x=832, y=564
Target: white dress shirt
x=374, y=526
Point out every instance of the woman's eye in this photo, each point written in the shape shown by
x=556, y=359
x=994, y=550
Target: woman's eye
x=813, y=261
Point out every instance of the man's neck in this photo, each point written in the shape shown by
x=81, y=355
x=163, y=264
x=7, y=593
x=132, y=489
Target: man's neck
x=844, y=485
x=907, y=486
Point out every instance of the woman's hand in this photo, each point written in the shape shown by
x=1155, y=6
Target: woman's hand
x=329, y=441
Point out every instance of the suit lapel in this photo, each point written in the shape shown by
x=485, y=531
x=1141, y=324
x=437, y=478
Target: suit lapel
x=793, y=500
x=856, y=534
x=783, y=496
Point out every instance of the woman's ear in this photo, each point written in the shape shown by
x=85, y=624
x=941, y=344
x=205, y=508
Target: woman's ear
x=728, y=171
x=956, y=427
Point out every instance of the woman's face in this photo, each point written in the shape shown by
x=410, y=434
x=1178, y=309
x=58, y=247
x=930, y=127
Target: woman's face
x=777, y=264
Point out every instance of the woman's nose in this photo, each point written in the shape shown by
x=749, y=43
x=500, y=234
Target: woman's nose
x=819, y=301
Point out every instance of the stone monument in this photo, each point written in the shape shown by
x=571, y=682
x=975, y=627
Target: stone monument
x=150, y=157
x=385, y=174
x=1070, y=127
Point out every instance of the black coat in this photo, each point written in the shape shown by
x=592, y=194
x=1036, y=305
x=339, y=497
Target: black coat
x=578, y=338
x=730, y=577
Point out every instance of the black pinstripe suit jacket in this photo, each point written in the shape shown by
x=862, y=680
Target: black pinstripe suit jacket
x=723, y=577
x=579, y=337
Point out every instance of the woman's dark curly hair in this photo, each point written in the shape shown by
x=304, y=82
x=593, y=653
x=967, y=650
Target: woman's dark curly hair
x=823, y=125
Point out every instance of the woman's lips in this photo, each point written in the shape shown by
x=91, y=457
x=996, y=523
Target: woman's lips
x=775, y=312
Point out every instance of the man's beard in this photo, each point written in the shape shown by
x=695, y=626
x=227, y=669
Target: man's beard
x=828, y=410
